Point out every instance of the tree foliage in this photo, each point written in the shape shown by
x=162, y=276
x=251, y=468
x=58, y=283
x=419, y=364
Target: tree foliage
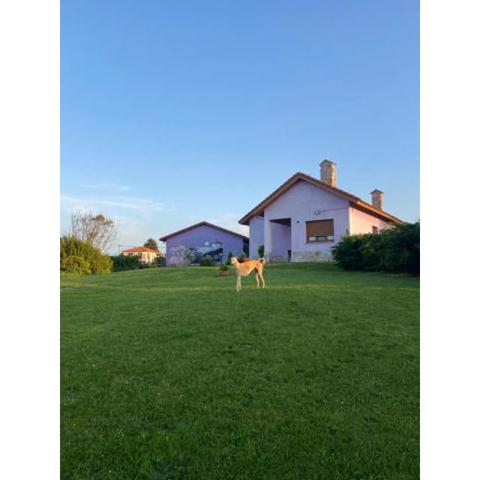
x=126, y=262
x=206, y=261
x=96, y=229
x=94, y=261
x=75, y=265
x=132, y=262
x=395, y=250
x=151, y=243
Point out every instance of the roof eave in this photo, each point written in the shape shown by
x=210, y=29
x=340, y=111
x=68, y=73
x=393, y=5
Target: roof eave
x=199, y=224
x=285, y=186
x=245, y=220
x=352, y=199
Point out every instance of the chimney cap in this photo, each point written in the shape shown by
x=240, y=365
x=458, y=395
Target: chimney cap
x=376, y=191
x=327, y=161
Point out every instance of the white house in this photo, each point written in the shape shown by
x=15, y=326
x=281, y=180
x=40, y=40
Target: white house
x=145, y=254
x=304, y=217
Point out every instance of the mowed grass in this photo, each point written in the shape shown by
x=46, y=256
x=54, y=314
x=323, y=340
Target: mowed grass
x=170, y=374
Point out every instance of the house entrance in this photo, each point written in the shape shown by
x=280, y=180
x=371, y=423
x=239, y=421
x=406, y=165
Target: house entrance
x=281, y=236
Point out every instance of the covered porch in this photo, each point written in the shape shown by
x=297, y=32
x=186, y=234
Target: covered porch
x=278, y=239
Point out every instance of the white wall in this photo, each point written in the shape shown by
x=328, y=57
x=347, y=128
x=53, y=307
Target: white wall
x=256, y=236
x=361, y=222
x=301, y=203
x=281, y=241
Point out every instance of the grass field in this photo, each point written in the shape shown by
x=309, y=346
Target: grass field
x=170, y=374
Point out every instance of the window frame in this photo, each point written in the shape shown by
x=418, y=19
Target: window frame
x=327, y=239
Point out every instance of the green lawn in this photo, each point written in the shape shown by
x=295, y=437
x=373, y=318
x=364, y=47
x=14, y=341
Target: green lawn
x=170, y=374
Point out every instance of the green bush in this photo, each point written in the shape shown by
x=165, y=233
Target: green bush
x=206, y=261
x=75, y=265
x=347, y=253
x=142, y=265
x=132, y=262
x=229, y=258
x=96, y=260
x=395, y=250
x=125, y=262
x=261, y=251
x=160, y=261
x=402, y=250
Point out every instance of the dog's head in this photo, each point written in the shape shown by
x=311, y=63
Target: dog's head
x=234, y=261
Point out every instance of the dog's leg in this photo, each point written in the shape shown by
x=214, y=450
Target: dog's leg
x=239, y=283
x=258, y=281
x=263, y=280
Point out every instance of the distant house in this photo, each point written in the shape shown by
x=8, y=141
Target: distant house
x=145, y=254
x=189, y=244
x=305, y=217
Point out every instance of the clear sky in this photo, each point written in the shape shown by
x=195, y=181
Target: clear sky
x=174, y=111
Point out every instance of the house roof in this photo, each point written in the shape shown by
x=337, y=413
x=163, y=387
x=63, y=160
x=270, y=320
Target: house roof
x=140, y=250
x=354, y=201
x=200, y=224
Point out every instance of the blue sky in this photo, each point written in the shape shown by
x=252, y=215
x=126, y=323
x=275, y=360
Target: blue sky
x=175, y=112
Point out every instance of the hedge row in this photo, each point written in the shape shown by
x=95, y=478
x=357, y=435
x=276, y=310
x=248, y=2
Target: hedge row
x=131, y=262
x=395, y=249
x=79, y=257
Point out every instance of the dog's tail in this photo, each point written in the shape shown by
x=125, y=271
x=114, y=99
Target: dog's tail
x=262, y=261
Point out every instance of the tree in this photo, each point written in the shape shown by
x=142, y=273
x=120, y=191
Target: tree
x=151, y=243
x=96, y=229
x=77, y=256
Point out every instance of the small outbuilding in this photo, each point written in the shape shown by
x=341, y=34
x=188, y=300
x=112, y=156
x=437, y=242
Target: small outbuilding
x=190, y=244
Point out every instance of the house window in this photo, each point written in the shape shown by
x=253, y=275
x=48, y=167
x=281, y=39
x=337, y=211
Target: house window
x=320, y=231
x=374, y=229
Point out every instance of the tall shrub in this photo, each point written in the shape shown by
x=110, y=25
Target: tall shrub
x=75, y=265
x=395, y=250
x=206, y=261
x=402, y=250
x=160, y=261
x=132, y=262
x=347, y=253
x=96, y=261
x=125, y=262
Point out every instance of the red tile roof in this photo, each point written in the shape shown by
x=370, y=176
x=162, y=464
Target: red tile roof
x=140, y=250
x=208, y=224
x=354, y=201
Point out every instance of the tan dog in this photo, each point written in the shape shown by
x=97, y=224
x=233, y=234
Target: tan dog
x=244, y=269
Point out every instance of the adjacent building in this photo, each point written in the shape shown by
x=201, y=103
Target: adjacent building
x=188, y=245
x=305, y=217
x=145, y=254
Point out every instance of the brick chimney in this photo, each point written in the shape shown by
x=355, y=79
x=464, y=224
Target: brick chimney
x=377, y=199
x=328, y=173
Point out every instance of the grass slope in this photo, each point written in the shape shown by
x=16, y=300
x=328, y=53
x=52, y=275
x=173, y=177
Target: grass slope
x=170, y=374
